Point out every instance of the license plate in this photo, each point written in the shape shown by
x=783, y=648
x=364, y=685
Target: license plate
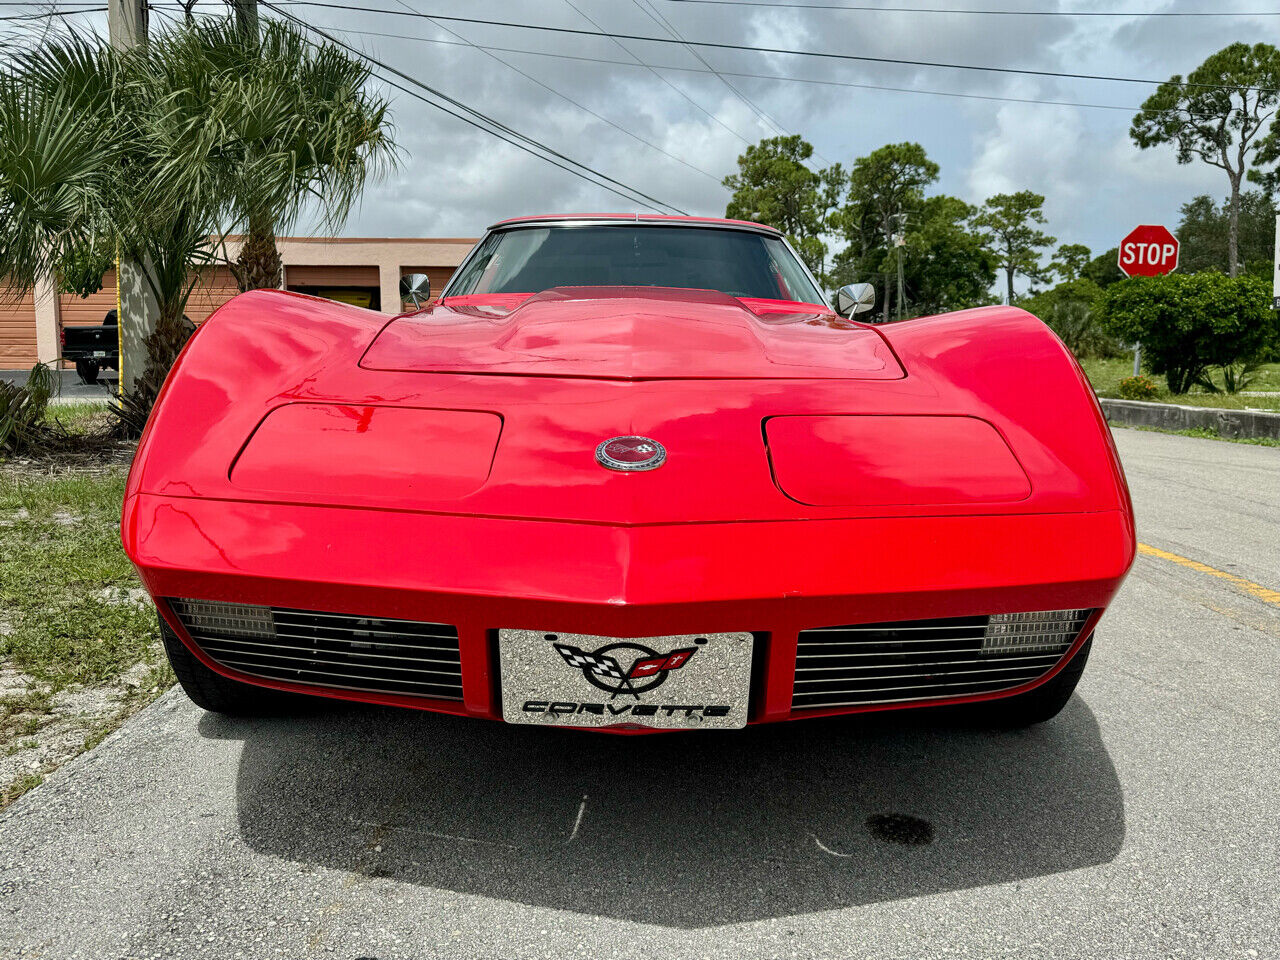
x=694, y=681
x=99, y=353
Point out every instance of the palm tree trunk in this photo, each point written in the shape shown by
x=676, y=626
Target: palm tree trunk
x=259, y=267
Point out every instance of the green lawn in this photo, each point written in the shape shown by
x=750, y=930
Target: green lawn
x=1105, y=375
x=79, y=646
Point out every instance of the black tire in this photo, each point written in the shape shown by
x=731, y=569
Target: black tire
x=88, y=371
x=213, y=692
x=1038, y=705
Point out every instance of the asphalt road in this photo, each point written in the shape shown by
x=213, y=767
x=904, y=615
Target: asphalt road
x=1143, y=822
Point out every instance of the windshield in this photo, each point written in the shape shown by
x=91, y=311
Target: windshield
x=740, y=263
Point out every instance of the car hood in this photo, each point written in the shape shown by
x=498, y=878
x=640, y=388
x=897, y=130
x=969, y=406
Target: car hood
x=632, y=333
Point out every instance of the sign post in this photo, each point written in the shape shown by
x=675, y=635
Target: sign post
x=1148, y=250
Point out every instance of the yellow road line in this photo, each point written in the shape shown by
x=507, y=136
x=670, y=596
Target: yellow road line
x=1248, y=586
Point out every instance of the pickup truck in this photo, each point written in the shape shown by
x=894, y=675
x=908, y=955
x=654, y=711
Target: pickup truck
x=93, y=348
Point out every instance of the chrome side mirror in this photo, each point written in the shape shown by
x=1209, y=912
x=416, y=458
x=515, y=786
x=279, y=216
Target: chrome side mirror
x=855, y=298
x=415, y=287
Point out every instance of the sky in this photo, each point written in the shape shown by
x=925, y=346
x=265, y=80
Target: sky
x=676, y=133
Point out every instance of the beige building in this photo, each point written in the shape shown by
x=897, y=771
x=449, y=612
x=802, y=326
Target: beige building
x=363, y=270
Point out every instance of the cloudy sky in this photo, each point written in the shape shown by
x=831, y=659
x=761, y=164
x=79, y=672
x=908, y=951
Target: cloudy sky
x=676, y=132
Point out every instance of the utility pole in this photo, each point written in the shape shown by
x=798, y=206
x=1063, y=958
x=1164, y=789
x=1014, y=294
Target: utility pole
x=246, y=12
x=137, y=307
x=127, y=23
x=900, y=241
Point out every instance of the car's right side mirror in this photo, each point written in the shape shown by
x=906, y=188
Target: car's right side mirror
x=855, y=298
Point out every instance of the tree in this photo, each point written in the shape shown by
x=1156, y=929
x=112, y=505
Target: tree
x=773, y=185
x=1070, y=261
x=1104, y=269
x=886, y=195
x=1071, y=310
x=1187, y=323
x=152, y=153
x=1008, y=221
x=1217, y=115
x=290, y=122
x=1203, y=234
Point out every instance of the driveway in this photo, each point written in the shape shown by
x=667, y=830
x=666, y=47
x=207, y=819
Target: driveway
x=1142, y=822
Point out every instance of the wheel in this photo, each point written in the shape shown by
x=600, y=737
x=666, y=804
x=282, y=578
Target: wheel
x=218, y=694
x=88, y=370
x=1038, y=705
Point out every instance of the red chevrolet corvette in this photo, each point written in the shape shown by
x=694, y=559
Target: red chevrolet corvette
x=632, y=473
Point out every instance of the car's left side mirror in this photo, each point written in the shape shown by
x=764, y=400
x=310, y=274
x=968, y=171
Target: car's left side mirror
x=415, y=287
x=855, y=298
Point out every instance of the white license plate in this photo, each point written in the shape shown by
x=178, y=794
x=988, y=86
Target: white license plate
x=99, y=353
x=688, y=682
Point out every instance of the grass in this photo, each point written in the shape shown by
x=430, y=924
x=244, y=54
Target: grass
x=71, y=615
x=1105, y=375
x=1204, y=433
x=79, y=418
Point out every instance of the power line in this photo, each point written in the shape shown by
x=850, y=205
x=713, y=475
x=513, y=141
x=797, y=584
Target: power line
x=816, y=54
x=861, y=8
x=51, y=13
x=656, y=16
x=618, y=43
x=753, y=76
x=488, y=124
x=661, y=20
x=603, y=119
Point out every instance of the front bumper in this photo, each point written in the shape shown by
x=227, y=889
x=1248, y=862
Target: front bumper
x=772, y=578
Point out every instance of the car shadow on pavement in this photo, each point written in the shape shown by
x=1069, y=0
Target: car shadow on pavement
x=679, y=830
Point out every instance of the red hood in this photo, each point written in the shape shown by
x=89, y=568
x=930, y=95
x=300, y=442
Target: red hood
x=632, y=333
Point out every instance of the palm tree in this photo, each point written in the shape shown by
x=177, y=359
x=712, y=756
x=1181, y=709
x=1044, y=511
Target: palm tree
x=158, y=152
x=284, y=123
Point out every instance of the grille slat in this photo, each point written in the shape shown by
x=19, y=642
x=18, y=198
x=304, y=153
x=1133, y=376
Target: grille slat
x=438, y=691
x=987, y=668
x=374, y=644
x=343, y=651
x=213, y=647
x=858, y=664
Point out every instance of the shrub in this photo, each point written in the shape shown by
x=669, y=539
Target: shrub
x=1070, y=311
x=22, y=410
x=1189, y=323
x=1140, y=387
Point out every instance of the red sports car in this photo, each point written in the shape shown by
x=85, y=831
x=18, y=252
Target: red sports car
x=631, y=473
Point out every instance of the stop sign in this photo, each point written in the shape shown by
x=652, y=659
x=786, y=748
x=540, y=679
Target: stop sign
x=1148, y=251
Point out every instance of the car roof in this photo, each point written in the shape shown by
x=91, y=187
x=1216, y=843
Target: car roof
x=665, y=219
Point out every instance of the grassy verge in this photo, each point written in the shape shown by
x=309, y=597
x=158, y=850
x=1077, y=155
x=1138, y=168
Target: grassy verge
x=1105, y=375
x=1204, y=433
x=79, y=647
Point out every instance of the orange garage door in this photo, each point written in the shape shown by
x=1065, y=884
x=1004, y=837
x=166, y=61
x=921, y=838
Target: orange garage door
x=17, y=332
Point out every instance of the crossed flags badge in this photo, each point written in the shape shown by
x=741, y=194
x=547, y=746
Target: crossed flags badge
x=601, y=666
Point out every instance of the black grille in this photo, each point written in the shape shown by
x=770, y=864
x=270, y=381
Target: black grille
x=928, y=659
x=372, y=654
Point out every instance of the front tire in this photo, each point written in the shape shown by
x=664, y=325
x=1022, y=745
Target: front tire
x=218, y=694
x=1041, y=704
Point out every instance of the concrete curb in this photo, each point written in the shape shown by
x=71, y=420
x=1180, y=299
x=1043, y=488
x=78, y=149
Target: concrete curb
x=1170, y=416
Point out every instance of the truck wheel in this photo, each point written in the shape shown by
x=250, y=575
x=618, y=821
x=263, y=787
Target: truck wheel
x=213, y=692
x=1038, y=705
x=88, y=371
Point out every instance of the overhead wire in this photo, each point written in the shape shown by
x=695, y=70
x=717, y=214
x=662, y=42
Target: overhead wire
x=490, y=125
x=603, y=119
x=755, y=76
x=814, y=54
x=868, y=8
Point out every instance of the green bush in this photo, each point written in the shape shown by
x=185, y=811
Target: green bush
x=1140, y=387
x=1187, y=324
x=1071, y=311
x=22, y=410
